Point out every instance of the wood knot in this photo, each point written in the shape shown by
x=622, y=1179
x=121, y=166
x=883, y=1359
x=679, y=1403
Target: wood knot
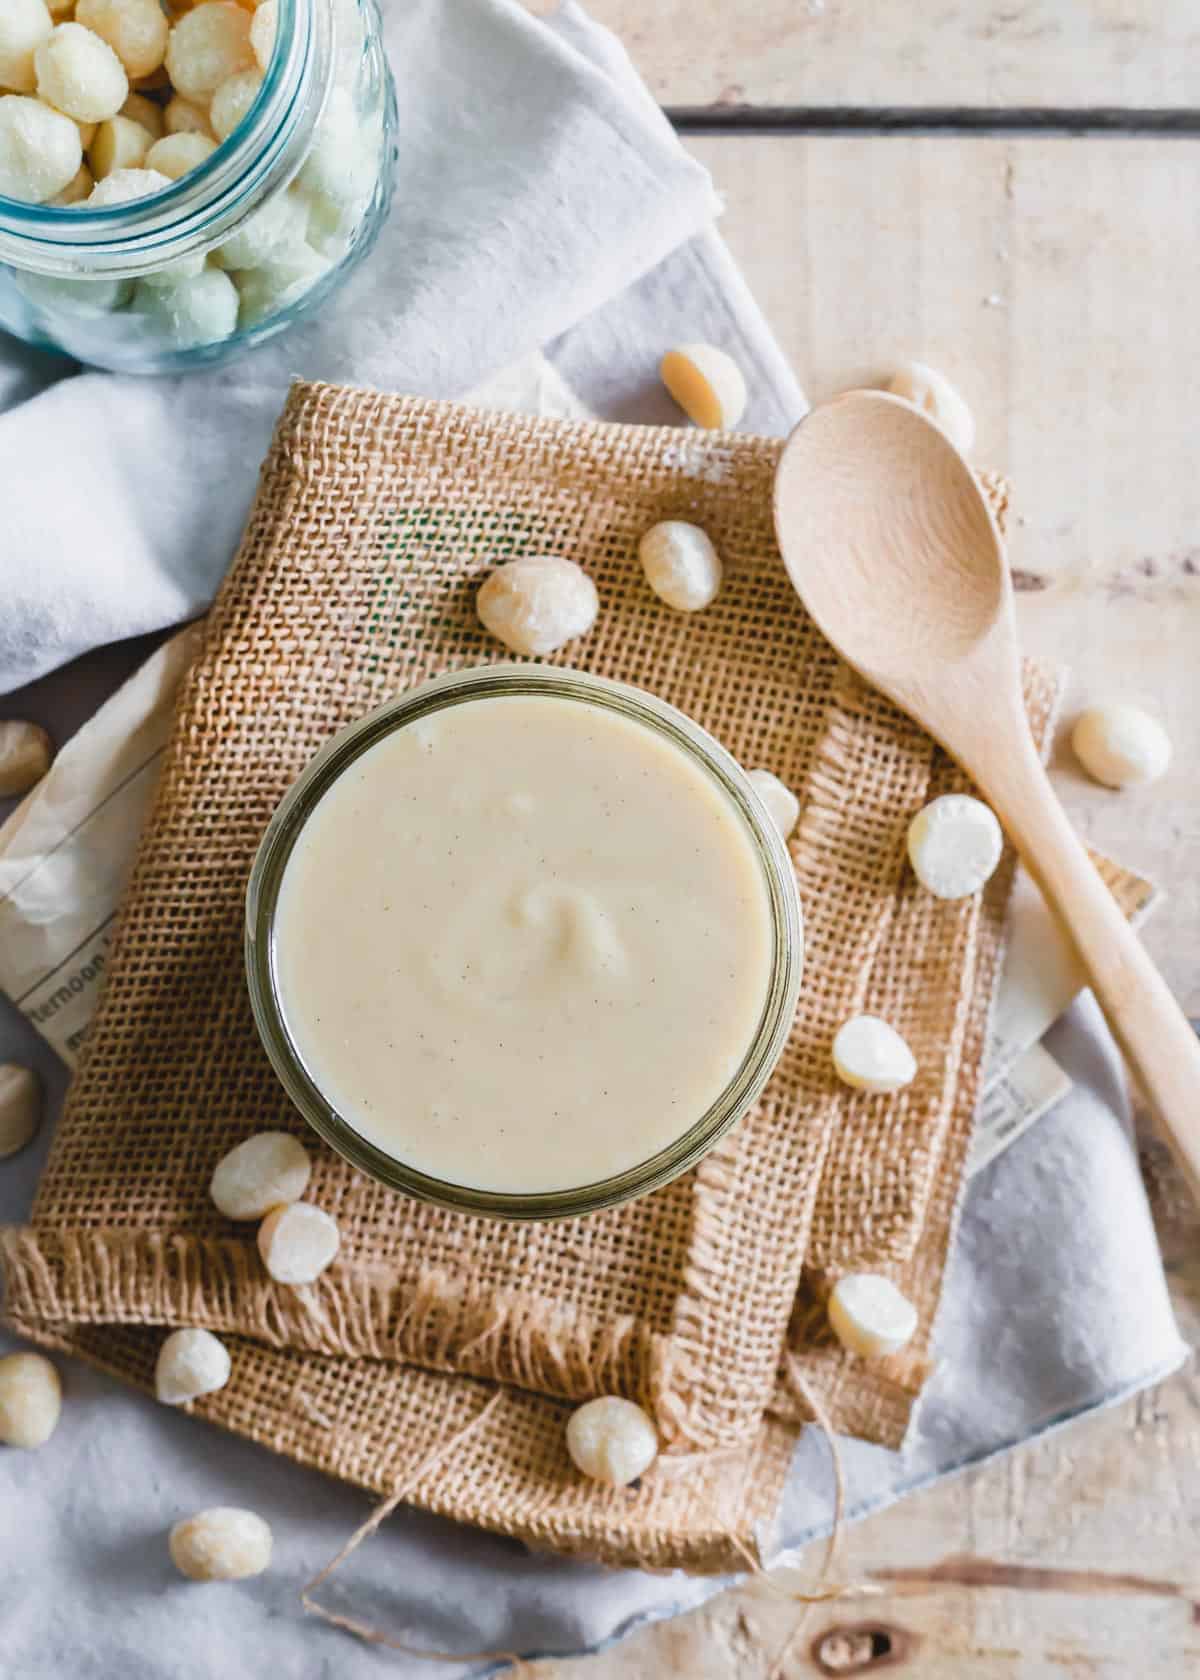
x=864, y=1647
x=1026, y=582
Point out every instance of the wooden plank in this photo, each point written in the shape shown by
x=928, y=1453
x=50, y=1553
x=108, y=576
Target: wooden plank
x=1071, y=1560
x=927, y=52
x=1054, y=282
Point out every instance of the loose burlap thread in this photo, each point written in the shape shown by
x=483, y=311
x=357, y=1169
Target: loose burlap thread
x=376, y=518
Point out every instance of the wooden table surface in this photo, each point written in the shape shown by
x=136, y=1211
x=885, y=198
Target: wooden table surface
x=1009, y=189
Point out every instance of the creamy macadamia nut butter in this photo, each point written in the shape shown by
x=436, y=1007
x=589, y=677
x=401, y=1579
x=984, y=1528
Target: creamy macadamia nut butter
x=529, y=940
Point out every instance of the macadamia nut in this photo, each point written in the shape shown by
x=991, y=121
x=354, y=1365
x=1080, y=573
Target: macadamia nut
x=178, y=154
x=136, y=30
x=870, y=1316
x=262, y=32
x=40, y=150
x=221, y=1544
x=25, y=754
x=76, y=189
x=30, y=1400
x=79, y=74
x=190, y=1363
x=535, y=605
x=275, y=227
x=232, y=101
x=297, y=1242
x=707, y=384
x=181, y=116
x=206, y=47
x=611, y=1440
x=954, y=845
x=24, y=25
x=870, y=1055
x=20, y=1107
x=264, y=1171
x=933, y=393
x=349, y=41
x=120, y=143
x=782, y=805
x=170, y=274
x=1121, y=746
x=191, y=308
x=141, y=110
x=289, y=273
x=58, y=293
x=125, y=185
x=332, y=221
x=681, y=564
x=341, y=165
x=333, y=143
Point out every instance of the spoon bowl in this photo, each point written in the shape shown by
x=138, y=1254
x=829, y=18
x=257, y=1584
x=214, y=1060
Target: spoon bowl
x=890, y=543
x=919, y=566
x=892, y=548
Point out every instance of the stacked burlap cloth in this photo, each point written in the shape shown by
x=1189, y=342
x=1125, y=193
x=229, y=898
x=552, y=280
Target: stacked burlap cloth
x=375, y=519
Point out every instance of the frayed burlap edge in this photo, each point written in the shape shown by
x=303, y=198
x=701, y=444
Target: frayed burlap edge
x=445, y=1324
x=702, y=1513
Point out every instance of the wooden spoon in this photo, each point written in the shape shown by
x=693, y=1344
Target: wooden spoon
x=892, y=548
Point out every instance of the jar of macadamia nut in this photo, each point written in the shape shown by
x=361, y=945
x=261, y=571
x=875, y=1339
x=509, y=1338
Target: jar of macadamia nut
x=181, y=179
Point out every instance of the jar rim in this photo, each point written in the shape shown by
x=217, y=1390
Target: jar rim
x=208, y=201
x=487, y=682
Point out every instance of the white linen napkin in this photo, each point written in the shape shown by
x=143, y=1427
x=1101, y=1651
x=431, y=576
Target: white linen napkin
x=1055, y=1302
x=530, y=191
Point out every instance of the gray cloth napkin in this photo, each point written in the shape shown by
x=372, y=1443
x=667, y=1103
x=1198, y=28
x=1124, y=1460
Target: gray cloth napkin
x=1055, y=1303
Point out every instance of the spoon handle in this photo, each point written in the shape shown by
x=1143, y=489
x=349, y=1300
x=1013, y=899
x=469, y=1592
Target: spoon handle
x=1155, y=1035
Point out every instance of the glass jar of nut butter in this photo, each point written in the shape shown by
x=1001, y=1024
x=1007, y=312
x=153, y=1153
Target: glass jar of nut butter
x=524, y=942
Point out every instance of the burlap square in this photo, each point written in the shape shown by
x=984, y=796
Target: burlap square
x=376, y=518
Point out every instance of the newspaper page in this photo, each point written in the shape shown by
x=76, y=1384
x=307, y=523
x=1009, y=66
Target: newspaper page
x=66, y=851
x=1011, y=1103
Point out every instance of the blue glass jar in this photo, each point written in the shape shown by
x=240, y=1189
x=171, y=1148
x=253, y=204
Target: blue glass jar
x=258, y=236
